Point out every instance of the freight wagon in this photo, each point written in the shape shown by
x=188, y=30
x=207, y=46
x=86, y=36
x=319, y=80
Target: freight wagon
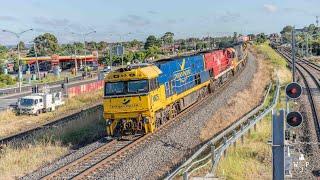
x=140, y=98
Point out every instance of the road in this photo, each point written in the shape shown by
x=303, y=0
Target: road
x=6, y=101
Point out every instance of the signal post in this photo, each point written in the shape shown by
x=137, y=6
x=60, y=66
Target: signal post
x=284, y=120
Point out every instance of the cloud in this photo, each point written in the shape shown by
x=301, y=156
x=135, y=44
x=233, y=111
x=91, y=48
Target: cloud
x=8, y=18
x=229, y=17
x=59, y=24
x=51, y=22
x=270, y=8
x=135, y=20
x=299, y=11
x=152, y=12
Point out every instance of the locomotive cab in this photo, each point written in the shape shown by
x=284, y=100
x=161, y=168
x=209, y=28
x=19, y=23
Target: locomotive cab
x=130, y=96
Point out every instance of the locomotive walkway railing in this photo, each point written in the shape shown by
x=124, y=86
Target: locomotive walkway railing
x=215, y=148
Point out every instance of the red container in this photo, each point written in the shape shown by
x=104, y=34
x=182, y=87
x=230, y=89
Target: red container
x=85, y=88
x=216, y=62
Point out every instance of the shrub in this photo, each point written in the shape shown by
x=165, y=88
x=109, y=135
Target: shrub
x=6, y=80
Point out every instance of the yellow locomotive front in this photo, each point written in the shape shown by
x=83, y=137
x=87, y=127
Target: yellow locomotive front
x=130, y=98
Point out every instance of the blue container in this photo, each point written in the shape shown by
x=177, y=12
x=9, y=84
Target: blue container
x=179, y=74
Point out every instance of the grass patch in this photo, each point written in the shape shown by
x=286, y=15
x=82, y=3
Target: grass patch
x=251, y=160
x=10, y=123
x=15, y=162
x=277, y=62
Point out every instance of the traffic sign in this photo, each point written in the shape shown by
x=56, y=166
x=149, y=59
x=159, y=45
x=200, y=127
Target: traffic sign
x=118, y=50
x=294, y=119
x=293, y=90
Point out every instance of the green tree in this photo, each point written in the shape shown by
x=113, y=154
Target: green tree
x=286, y=29
x=91, y=46
x=31, y=52
x=102, y=45
x=3, y=56
x=129, y=56
x=261, y=38
x=167, y=38
x=235, y=36
x=151, y=41
x=153, y=52
x=312, y=28
x=134, y=43
x=286, y=33
x=67, y=49
x=46, y=44
x=140, y=55
x=3, y=52
x=22, y=46
x=183, y=45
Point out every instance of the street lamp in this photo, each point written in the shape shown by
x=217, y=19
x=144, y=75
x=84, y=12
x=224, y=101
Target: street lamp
x=84, y=35
x=18, y=36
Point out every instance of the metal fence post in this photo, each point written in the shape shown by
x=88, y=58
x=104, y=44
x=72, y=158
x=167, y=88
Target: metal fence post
x=242, y=138
x=185, y=175
x=213, y=157
x=234, y=135
x=278, y=145
x=224, y=143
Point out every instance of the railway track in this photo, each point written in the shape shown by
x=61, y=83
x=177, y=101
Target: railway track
x=113, y=152
x=82, y=164
x=311, y=64
x=309, y=79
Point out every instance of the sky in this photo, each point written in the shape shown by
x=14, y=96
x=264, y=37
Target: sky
x=115, y=20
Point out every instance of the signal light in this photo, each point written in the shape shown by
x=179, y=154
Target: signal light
x=294, y=119
x=293, y=90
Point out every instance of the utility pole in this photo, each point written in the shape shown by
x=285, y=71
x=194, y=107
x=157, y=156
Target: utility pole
x=293, y=54
x=75, y=61
x=110, y=54
x=35, y=52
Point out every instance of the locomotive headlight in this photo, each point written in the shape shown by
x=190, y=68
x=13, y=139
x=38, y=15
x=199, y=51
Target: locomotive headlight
x=108, y=122
x=145, y=120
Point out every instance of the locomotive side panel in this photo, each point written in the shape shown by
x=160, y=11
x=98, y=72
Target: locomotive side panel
x=181, y=74
x=216, y=62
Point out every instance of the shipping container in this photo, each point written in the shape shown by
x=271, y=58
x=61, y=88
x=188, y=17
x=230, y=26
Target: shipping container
x=216, y=62
x=181, y=74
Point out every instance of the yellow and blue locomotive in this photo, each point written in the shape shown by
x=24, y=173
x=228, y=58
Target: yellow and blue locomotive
x=141, y=97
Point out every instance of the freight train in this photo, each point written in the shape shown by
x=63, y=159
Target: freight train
x=140, y=98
